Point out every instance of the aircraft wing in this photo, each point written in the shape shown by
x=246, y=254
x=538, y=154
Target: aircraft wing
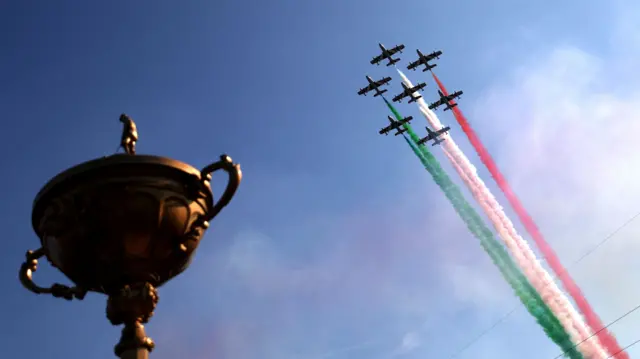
x=419, y=86
x=433, y=55
x=436, y=104
x=377, y=59
x=364, y=91
x=395, y=49
x=383, y=81
x=414, y=89
x=425, y=139
x=386, y=129
x=400, y=97
x=414, y=64
x=442, y=130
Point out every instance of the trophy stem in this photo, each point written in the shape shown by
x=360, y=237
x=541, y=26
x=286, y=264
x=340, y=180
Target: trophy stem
x=132, y=306
x=134, y=343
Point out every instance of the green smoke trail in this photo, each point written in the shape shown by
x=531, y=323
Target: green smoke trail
x=512, y=274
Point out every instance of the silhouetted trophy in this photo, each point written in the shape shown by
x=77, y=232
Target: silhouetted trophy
x=123, y=225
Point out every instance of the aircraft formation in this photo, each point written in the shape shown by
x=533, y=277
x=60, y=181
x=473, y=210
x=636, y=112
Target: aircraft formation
x=413, y=93
x=512, y=255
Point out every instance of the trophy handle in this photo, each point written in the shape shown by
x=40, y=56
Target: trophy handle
x=235, y=176
x=57, y=290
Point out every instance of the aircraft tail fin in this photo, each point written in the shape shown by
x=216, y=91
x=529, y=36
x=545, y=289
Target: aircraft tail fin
x=429, y=67
x=380, y=92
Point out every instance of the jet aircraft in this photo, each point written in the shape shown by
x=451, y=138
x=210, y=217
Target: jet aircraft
x=374, y=85
x=424, y=60
x=434, y=135
x=410, y=92
x=387, y=55
x=396, y=125
x=446, y=100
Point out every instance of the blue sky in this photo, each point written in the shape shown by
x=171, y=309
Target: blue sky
x=337, y=245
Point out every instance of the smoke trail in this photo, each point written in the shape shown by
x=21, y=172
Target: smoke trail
x=536, y=274
x=523, y=289
x=604, y=336
x=525, y=257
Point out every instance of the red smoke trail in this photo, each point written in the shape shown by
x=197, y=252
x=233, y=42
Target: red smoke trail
x=606, y=338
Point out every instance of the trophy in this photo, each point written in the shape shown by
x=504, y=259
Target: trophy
x=123, y=225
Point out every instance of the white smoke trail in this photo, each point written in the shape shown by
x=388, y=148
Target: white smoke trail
x=545, y=294
x=537, y=275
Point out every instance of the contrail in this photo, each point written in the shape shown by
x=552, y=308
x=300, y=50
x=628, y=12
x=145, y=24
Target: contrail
x=592, y=318
x=509, y=270
x=525, y=257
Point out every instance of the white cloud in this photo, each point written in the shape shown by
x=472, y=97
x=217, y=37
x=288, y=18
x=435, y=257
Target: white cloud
x=410, y=342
